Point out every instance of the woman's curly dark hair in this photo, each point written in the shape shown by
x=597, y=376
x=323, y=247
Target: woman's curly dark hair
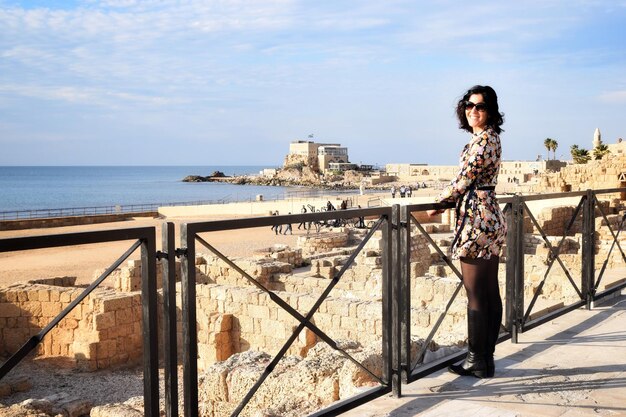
x=495, y=119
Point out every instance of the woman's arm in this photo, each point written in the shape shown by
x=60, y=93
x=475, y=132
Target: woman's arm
x=477, y=157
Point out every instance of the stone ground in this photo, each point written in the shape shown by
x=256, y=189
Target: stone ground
x=572, y=366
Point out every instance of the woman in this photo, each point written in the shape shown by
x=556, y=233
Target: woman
x=480, y=229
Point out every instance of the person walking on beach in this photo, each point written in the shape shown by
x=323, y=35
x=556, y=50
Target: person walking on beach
x=361, y=223
x=302, y=224
x=277, y=228
x=480, y=228
x=393, y=191
x=288, y=228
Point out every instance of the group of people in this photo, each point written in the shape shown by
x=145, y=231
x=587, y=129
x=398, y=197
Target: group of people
x=278, y=228
x=404, y=191
x=306, y=225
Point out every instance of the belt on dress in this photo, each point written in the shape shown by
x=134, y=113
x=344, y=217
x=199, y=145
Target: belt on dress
x=469, y=191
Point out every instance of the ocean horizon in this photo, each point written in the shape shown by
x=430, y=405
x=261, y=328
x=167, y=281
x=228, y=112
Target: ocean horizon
x=25, y=188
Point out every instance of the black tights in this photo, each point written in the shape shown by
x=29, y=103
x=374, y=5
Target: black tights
x=480, y=279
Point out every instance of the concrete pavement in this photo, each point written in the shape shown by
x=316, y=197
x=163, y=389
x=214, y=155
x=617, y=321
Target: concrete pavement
x=573, y=366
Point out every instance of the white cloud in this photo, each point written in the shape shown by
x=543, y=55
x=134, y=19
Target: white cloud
x=90, y=96
x=284, y=65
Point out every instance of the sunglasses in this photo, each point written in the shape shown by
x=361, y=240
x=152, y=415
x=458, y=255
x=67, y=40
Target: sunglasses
x=479, y=106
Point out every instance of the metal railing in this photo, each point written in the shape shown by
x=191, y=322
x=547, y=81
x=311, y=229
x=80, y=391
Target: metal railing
x=397, y=224
x=587, y=289
x=96, y=210
x=517, y=318
x=191, y=236
x=144, y=238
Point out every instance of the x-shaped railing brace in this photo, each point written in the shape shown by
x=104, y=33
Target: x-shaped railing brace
x=552, y=255
x=305, y=321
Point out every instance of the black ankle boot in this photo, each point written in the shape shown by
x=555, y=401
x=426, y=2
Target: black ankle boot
x=473, y=365
x=476, y=363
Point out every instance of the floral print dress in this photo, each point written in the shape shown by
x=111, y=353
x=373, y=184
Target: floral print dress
x=480, y=226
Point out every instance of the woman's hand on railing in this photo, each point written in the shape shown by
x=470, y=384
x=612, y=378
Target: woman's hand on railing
x=432, y=213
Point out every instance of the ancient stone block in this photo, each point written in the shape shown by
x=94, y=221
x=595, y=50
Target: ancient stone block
x=105, y=320
x=9, y=310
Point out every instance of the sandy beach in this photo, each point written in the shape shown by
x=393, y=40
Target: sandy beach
x=82, y=261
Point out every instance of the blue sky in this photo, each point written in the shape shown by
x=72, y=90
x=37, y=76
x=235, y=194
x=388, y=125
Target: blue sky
x=125, y=82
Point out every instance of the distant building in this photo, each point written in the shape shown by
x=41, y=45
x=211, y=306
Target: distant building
x=421, y=172
x=331, y=153
x=303, y=152
x=268, y=172
x=342, y=166
x=317, y=155
x=617, y=148
x=404, y=170
x=510, y=171
x=524, y=171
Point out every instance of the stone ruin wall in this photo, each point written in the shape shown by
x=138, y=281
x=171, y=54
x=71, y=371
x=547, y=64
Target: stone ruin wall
x=100, y=332
x=595, y=174
x=554, y=221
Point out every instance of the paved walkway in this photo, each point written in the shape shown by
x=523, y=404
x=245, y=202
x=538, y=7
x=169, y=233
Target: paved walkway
x=572, y=366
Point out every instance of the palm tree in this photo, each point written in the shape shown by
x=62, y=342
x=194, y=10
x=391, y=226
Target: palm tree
x=548, y=144
x=599, y=151
x=555, y=145
x=551, y=145
x=579, y=155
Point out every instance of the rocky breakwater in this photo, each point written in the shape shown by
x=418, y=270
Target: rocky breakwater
x=215, y=176
x=289, y=176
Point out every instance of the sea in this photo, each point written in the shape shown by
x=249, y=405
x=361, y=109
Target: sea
x=25, y=188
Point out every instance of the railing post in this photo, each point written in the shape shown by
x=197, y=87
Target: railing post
x=588, y=249
x=170, y=352
x=396, y=255
x=149, y=327
x=190, y=334
x=515, y=268
x=509, y=314
x=404, y=294
x=387, y=295
x=519, y=266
